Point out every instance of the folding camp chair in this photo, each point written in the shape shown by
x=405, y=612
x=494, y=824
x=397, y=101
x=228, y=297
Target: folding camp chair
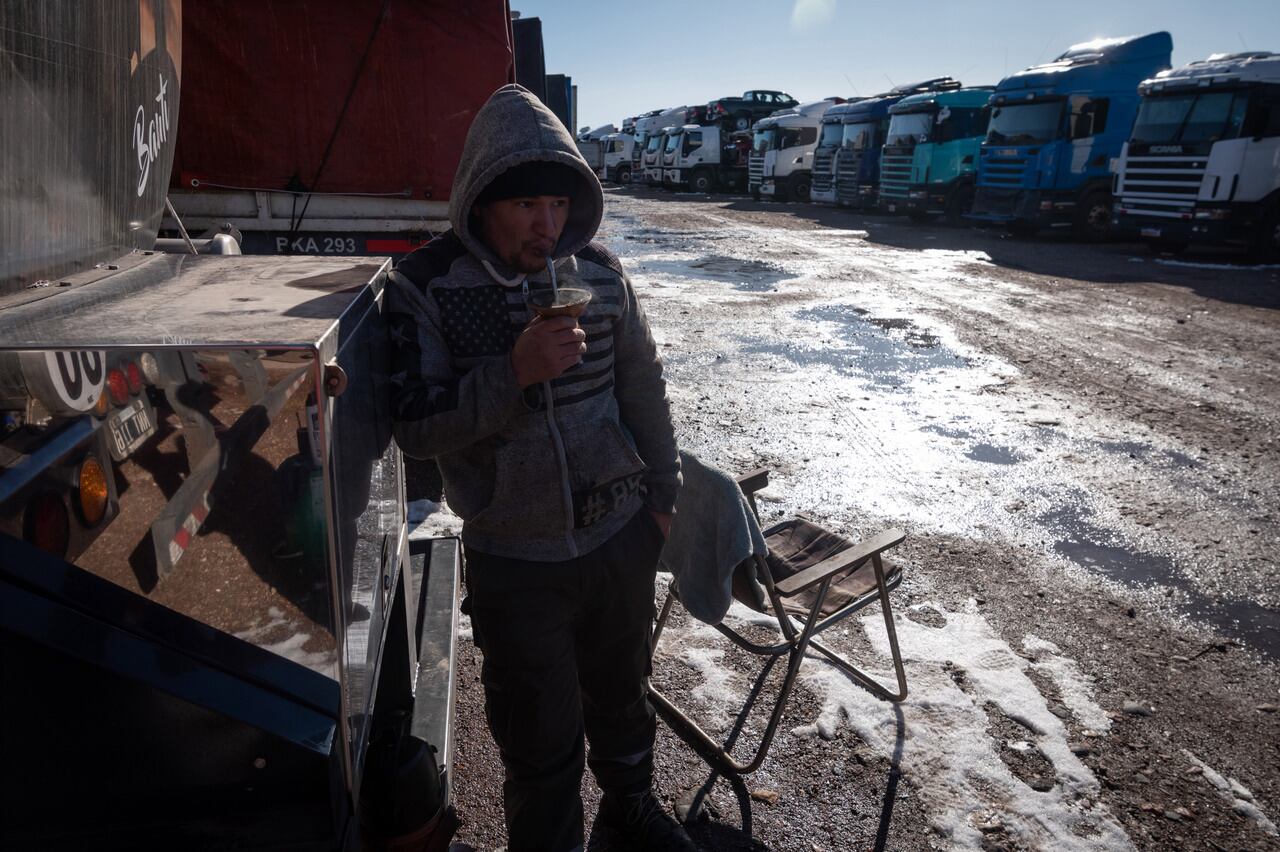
x=814, y=579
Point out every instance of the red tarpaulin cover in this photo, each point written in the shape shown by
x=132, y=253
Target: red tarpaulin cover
x=264, y=84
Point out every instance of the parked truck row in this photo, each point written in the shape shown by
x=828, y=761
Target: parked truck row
x=1105, y=138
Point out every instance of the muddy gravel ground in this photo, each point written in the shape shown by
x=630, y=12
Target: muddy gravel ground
x=1080, y=442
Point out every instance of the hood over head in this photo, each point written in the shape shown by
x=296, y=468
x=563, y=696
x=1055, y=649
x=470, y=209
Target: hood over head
x=511, y=129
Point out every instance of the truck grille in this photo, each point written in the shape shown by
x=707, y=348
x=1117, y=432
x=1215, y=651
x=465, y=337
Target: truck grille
x=1164, y=187
x=823, y=170
x=895, y=172
x=1007, y=171
x=755, y=170
x=847, y=165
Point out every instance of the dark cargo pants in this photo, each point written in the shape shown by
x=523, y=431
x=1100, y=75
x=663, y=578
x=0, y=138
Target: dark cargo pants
x=566, y=651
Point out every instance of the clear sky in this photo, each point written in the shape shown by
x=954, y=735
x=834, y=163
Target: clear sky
x=631, y=57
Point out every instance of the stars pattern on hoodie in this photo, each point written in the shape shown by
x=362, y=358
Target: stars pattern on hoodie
x=475, y=320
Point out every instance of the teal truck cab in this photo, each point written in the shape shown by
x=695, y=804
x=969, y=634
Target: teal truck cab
x=930, y=153
x=864, y=125
x=1054, y=131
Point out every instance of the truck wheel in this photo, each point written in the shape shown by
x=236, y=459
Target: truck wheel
x=702, y=181
x=1266, y=245
x=799, y=186
x=1092, y=221
x=624, y=175
x=742, y=121
x=959, y=203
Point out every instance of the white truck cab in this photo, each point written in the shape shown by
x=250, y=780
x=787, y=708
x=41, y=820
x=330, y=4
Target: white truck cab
x=705, y=158
x=617, y=149
x=782, y=151
x=1202, y=164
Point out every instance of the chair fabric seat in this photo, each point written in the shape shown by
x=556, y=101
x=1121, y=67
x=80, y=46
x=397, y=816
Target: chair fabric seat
x=797, y=544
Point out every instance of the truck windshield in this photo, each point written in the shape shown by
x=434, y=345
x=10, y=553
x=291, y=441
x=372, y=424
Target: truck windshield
x=831, y=135
x=860, y=136
x=655, y=142
x=910, y=128
x=1024, y=124
x=1191, y=117
x=673, y=142
x=765, y=140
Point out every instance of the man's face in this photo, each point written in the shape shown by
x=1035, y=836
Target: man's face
x=523, y=231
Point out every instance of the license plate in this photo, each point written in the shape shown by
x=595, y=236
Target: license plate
x=130, y=427
x=893, y=208
x=1151, y=232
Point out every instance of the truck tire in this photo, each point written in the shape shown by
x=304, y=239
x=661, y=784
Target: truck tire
x=959, y=203
x=624, y=175
x=1266, y=244
x=742, y=121
x=1092, y=220
x=702, y=181
x=798, y=187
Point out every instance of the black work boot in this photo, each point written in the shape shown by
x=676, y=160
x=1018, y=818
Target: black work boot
x=637, y=822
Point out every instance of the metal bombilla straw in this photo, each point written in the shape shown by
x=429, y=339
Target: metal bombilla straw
x=555, y=289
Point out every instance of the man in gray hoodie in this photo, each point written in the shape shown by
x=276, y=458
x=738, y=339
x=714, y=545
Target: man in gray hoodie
x=555, y=442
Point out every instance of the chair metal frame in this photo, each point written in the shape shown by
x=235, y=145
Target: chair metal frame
x=797, y=635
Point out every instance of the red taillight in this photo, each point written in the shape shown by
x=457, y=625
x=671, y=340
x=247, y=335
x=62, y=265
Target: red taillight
x=46, y=524
x=134, y=377
x=117, y=386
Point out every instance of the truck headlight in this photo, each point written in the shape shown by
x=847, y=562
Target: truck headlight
x=918, y=193
x=1216, y=214
x=1046, y=205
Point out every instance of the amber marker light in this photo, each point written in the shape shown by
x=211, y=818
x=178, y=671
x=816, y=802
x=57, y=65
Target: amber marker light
x=93, y=492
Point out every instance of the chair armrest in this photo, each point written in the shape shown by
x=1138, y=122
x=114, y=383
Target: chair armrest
x=752, y=482
x=860, y=552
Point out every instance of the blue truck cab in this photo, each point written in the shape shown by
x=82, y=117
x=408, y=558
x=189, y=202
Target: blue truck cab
x=930, y=155
x=1054, y=131
x=865, y=124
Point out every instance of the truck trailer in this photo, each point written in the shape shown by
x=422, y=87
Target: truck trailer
x=783, y=144
x=215, y=631
x=352, y=155
x=1055, y=130
x=930, y=153
x=1202, y=164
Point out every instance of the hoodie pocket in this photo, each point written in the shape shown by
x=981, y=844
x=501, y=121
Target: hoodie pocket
x=605, y=470
x=527, y=491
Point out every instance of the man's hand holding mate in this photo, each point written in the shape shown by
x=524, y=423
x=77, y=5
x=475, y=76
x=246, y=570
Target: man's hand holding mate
x=546, y=348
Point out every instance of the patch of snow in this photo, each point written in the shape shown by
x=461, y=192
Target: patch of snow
x=429, y=519
x=1234, y=267
x=1075, y=687
x=1240, y=797
x=942, y=732
x=291, y=648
